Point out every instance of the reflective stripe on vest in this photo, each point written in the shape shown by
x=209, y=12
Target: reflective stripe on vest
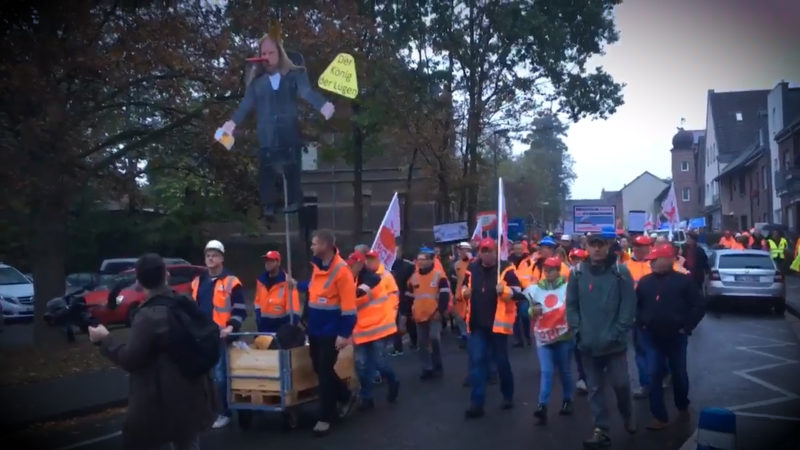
x=375, y=331
x=508, y=326
x=321, y=302
x=372, y=301
x=226, y=306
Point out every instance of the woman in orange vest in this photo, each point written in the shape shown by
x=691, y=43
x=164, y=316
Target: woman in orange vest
x=429, y=291
x=554, y=340
x=490, y=316
x=375, y=322
x=277, y=301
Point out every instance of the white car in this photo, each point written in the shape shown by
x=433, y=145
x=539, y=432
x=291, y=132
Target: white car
x=16, y=293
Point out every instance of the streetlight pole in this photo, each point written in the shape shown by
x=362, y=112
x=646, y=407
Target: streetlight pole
x=542, y=205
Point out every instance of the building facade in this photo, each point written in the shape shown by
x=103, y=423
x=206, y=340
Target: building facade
x=687, y=161
x=787, y=175
x=783, y=107
x=638, y=195
x=733, y=120
x=746, y=188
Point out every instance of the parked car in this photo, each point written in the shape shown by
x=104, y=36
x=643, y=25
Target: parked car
x=86, y=280
x=119, y=300
x=118, y=265
x=746, y=274
x=16, y=293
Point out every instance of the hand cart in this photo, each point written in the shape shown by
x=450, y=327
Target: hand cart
x=276, y=380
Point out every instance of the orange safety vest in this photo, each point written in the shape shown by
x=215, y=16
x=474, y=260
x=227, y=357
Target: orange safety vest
x=223, y=287
x=274, y=302
x=506, y=312
x=332, y=289
x=624, y=257
x=726, y=242
x=678, y=267
x=376, y=315
x=389, y=285
x=736, y=246
x=638, y=270
x=425, y=289
x=460, y=304
x=524, y=272
x=537, y=273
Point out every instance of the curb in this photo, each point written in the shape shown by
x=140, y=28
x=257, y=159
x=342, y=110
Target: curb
x=71, y=414
x=792, y=310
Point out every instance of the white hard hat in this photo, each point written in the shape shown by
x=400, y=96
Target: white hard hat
x=464, y=245
x=566, y=237
x=215, y=245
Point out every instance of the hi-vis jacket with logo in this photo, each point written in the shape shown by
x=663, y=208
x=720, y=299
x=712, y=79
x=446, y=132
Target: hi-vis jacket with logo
x=430, y=292
x=331, y=299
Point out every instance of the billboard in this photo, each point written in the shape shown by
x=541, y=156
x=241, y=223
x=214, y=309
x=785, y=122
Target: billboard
x=592, y=219
x=637, y=221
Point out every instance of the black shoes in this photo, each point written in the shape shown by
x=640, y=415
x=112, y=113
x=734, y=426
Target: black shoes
x=541, y=414
x=473, y=413
x=566, y=408
x=394, y=391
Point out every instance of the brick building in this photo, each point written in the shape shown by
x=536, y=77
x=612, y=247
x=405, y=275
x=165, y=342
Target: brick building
x=787, y=175
x=688, y=163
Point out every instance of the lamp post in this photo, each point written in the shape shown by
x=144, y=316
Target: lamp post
x=542, y=205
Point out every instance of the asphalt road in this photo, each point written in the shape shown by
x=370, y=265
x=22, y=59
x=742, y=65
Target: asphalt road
x=744, y=359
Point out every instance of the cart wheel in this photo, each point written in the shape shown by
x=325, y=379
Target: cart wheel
x=245, y=419
x=291, y=419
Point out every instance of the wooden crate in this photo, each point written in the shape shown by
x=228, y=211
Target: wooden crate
x=266, y=363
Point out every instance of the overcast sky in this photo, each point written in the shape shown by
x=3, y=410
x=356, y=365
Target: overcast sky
x=669, y=54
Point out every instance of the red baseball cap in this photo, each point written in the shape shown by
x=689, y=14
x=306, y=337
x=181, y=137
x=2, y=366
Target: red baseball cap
x=272, y=254
x=662, y=251
x=553, y=262
x=578, y=253
x=356, y=257
x=373, y=254
x=642, y=240
x=487, y=243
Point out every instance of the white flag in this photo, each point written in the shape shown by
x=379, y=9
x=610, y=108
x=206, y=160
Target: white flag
x=649, y=224
x=385, y=243
x=477, y=235
x=669, y=207
x=502, y=223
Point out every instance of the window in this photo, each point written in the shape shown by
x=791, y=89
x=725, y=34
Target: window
x=746, y=261
x=684, y=166
x=686, y=194
x=738, y=116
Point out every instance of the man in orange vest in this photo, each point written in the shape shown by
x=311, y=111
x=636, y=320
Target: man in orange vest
x=218, y=294
x=491, y=313
x=377, y=312
x=727, y=239
x=459, y=305
x=523, y=270
x=277, y=301
x=331, y=315
x=429, y=290
x=639, y=266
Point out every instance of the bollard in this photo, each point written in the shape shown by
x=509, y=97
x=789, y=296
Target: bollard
x=716, y=429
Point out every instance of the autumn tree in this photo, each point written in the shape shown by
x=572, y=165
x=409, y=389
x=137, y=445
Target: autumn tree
x=508, y=58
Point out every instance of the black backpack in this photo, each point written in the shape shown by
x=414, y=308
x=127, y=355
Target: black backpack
x=194, y=342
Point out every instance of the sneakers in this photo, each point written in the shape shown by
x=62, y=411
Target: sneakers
x=640, y=393
x=599, y=439
x=581, y=387
x=566, y=408
x=347, y=408
x=541, y=414
x=221, y=422
x=394, y=390
x=473, y=413
x=321, y=429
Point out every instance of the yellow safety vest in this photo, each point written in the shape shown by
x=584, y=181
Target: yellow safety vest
x=777, y=251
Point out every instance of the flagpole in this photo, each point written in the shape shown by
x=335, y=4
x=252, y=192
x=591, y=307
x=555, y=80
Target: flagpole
x=500, y=218
x=385, y=216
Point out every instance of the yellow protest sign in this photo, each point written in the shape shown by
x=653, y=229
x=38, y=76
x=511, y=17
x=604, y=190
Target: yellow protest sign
x=340, y=76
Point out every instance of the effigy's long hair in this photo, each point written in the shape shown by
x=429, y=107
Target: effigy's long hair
x=285, y=63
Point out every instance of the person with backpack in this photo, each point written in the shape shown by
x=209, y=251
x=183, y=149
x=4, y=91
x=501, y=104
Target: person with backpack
x=601, y=307
x=171, y=400
x=219, y=296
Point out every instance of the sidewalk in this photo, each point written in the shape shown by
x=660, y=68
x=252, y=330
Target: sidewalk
x=793, y=295
x=65, y=397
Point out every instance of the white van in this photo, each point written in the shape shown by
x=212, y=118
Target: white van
x=16, y=293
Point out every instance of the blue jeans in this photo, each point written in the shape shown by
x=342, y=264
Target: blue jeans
x=642, y=365
x=481, y=344
x=552, y=357
x=522, y=325
x=671, y=350
x=371, y=357
x=220, y=377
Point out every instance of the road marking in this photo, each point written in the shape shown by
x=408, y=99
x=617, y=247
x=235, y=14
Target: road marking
x=92, y=441
x=747, y=375
x=769, y=416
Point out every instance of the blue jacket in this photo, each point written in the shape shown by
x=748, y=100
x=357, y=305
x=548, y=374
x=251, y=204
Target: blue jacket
x=205, y=294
